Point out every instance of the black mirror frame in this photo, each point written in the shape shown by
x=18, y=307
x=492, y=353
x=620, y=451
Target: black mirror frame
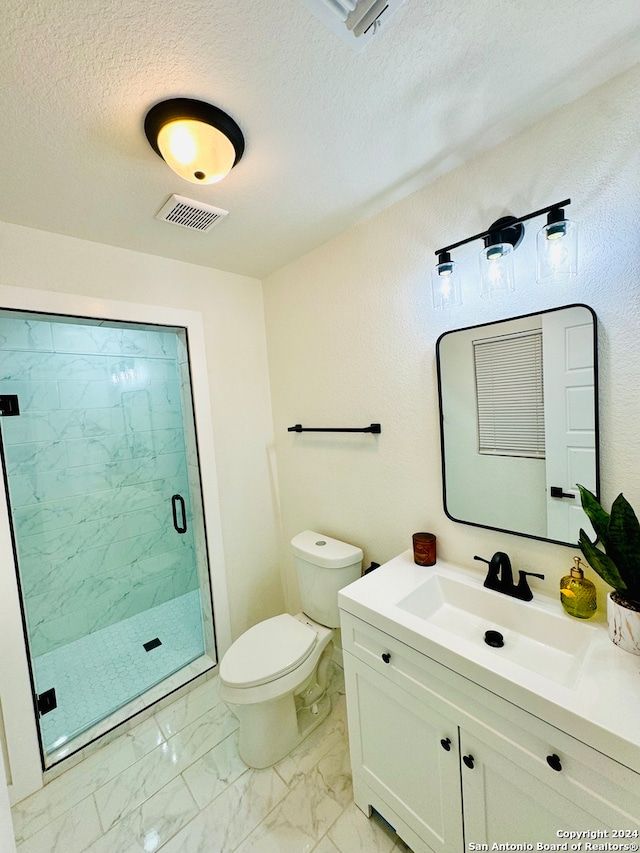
x=596, y=416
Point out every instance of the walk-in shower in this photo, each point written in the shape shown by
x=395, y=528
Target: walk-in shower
x=100, y=460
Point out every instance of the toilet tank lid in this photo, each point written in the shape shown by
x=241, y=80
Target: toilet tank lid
x=324, y=551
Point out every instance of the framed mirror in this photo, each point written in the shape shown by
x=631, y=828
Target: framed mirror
x=519, y=422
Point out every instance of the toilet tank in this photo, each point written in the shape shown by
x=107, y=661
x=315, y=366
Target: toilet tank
x=324, y=565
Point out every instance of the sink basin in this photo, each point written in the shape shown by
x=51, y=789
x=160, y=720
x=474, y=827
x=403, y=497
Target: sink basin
x=536, y=636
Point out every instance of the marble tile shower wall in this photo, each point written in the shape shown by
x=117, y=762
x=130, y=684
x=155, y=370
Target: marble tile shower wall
x=93, y=460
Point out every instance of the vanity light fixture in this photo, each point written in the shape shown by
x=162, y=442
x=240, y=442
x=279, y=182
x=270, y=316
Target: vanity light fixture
x=496, y=259
x=557, y=248
x=200, y=142
x=446, y=282
x=556, y=255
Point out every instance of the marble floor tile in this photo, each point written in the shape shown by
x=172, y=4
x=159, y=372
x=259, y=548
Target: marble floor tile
x=232, y=816
x=152, y=824
x=140, y=781
x=131, y=714
x=296, y=824
x=62, y=793
x=188, y=708
x=353, y=832
x=72, y=832
x=326, y=845
x=175, y=783
x=216, y=770
x=333, y=774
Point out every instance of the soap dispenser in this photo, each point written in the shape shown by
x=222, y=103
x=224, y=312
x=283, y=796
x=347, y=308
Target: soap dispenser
x=577, y=593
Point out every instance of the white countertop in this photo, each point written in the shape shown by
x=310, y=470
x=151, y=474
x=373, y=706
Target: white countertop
x=602, y=708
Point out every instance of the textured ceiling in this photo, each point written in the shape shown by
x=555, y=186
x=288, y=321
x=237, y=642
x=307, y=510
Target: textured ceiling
x=333, y=136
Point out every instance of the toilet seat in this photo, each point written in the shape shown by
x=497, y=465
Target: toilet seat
x=268, y=651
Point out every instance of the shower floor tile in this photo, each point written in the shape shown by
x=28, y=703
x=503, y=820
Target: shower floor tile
x=99, y=673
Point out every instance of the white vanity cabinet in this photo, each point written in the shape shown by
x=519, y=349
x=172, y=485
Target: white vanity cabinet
x=449, y=764
x=399, y=766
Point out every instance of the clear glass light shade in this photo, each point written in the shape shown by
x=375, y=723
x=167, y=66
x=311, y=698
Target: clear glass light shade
x=557, y=248
x=445, y=285
x=496, y=269
x=196, y=151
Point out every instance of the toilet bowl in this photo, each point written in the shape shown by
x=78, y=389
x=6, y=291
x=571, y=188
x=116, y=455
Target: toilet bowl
x=275, y=675
x=265, y=675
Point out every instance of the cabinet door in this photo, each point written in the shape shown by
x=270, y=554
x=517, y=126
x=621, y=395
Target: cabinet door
x=511, y=794
x=397, y=751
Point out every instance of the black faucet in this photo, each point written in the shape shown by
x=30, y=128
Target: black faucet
x=500, y=577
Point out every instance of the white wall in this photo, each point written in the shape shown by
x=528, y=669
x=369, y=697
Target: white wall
x=351, y=333
x=232, y=313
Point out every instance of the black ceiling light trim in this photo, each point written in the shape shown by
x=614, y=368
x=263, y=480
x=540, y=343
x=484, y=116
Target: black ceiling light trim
x=188, y=108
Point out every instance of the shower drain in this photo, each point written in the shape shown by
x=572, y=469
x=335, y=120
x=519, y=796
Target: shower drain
x=152, y=644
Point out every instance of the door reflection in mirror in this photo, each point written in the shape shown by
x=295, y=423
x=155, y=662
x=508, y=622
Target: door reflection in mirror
x=530, y=492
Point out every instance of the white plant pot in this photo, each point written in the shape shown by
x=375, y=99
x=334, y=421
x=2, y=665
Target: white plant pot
x=624, y=625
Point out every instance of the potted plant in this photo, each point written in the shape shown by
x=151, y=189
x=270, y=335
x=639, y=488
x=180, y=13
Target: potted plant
x=617, y=562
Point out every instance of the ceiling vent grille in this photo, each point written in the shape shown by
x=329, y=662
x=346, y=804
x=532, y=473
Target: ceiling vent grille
x=355, y=21
x=190, y=214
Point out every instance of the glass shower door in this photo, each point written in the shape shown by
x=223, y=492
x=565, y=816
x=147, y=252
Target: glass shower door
x=100, y=459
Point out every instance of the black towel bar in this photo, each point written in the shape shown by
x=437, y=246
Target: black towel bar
x=374, y=428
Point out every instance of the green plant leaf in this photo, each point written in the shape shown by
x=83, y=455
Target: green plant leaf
x=601, y=563
x=598, y=517
x=624, y=543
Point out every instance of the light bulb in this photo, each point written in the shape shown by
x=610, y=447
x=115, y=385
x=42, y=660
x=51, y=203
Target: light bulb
x=196, y=151
x=445, y=285
x=496, y=269
x=182, y=142
x=557, y=251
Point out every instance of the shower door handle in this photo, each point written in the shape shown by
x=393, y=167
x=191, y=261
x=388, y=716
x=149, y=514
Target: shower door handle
x=178, y=500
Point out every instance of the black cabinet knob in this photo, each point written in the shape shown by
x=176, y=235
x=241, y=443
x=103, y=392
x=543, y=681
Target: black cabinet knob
x=469, y=761
x=445, y=743
x=554, y=762
x=386, y=657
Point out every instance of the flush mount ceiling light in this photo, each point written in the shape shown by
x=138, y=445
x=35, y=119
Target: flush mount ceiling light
x=200, y=142
x=557, y=252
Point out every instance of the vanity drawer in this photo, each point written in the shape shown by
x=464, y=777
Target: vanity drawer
x=404, y=666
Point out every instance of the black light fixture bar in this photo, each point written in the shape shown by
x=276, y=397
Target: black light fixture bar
x=556, y=206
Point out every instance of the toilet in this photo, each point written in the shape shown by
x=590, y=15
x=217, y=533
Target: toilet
x=275, y=675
